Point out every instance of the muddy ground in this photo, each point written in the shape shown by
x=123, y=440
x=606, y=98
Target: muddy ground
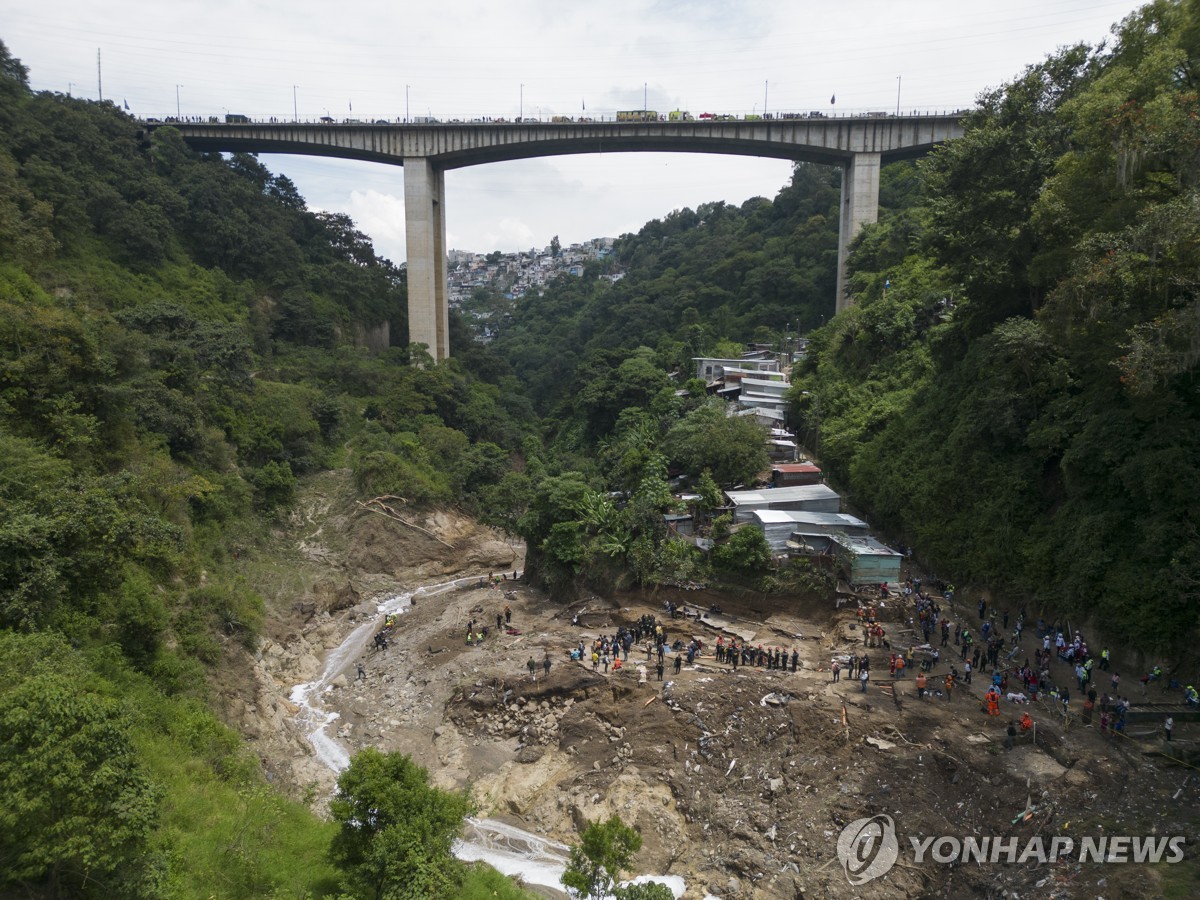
x=742, y=795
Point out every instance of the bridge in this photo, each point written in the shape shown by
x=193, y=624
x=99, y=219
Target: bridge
x=860, y=145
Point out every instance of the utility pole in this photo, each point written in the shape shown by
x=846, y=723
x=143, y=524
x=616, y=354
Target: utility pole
x=70, y=87
x=99, y=78
x=897, y=95
x=177, y=115
x=295, y=108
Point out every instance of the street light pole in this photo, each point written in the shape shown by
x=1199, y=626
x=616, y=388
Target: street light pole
x=766, y=85
x=897, y=95
x=177, y=115
x=295, y=107
x=406, y=87
x=521, y=108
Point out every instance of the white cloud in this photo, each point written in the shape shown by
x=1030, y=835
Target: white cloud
x=471, y=57
x=382, y=217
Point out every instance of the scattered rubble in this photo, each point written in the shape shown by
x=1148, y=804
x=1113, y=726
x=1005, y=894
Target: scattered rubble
x=739, y=782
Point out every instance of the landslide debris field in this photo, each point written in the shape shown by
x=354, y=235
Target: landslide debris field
x=740, y=782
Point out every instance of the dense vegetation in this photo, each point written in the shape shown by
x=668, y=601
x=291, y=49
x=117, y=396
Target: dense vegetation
x=692, y=279
x=180, y=340
x=1014, y=394
x=1016, y=389
x=621, y=411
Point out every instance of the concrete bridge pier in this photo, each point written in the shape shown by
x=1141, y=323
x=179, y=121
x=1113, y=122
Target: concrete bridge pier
x=860, y=206
x=425, y=239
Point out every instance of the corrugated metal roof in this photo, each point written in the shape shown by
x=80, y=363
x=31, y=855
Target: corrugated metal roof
x=863, y=545
x=803, y=517
x=774, y=386
x=783, y=494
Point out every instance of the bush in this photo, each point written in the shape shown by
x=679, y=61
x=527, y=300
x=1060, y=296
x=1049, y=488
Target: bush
x=746, y=551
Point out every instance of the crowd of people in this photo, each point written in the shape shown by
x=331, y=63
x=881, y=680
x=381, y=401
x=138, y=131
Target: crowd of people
x=995, y=652
x=990, y=650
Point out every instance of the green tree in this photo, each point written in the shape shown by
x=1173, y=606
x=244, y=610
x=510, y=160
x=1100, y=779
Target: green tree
x=709, y=496
x=648, y=890
x=79, y=811
x=596, y=863
x=732, y=448
x=12, y=68
x=396, y=830
x=746, y=551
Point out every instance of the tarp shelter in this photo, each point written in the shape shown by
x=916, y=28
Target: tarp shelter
x=809, y=498
x=866, y=560
x=778, y=525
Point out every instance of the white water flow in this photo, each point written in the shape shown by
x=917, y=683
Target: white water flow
x=511, y=850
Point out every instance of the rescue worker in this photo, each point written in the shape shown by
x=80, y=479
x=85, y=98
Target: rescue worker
x=993, y=702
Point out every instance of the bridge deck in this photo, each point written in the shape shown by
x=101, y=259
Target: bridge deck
x=453, y=145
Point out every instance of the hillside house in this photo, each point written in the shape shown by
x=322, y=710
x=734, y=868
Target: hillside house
x=806, y=498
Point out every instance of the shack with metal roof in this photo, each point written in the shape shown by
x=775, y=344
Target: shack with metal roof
x=780, y=525
x=809, y=498
x=864, y=559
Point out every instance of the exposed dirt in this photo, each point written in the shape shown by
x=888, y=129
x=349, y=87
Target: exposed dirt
x=742, y=797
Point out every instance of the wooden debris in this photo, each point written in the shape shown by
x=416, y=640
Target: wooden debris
x=378, y=506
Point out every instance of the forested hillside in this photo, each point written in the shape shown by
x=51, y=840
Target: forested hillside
x=693, y=279
x=180, y=341
x=1014, y=394
x=1015, y=391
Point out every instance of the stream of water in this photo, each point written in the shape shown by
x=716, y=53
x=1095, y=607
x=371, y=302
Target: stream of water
x=507, y=848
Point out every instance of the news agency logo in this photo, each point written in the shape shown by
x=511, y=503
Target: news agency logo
x=867, y=848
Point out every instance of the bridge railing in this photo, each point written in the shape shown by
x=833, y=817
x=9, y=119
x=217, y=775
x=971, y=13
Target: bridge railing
x=491, y=121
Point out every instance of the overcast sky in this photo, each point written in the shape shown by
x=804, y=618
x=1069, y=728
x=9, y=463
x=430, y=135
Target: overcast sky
x=468, y=58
